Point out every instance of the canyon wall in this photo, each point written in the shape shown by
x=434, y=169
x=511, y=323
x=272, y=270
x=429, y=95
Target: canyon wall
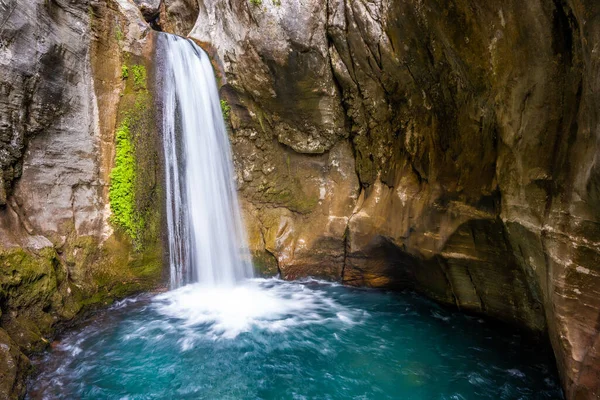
x=448, y=147
x=75, y=92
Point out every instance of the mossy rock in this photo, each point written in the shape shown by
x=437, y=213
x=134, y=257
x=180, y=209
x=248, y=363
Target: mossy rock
x=28, y=278
x=135, y=190
x=265, y=264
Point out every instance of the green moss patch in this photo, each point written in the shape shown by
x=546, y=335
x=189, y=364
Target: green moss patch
x=27, y=279
x=225, y=109
x=139, y=76
x=134, y=191
x=119, y=35
x=265, y=264
x=122, y=182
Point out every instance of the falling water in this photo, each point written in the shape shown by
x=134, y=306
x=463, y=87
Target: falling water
x=206, y=240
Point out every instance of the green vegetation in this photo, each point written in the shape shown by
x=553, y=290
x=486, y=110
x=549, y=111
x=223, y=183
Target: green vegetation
x=91, y=14
x=124, y=71
x=134, y=189
x=119, y=34
x=35, y=275
x=139, y=76
x=226, y=109
x=256, y=2
x=265, y=264
x=122, y=181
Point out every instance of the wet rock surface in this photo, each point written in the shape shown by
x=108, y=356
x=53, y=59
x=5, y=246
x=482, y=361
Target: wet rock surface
x=13, y=368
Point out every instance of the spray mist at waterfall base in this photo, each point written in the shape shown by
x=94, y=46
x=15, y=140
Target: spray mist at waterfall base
x=271, y=339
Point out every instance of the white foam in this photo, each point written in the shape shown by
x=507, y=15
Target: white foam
x=515, y=372
x=269, y=305
x=437, y=315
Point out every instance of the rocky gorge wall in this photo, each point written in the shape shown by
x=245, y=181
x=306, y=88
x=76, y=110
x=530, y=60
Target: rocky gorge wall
x=80, y=189
x=447, y=147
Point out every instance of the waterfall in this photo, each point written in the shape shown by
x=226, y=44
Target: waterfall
x=207, y=243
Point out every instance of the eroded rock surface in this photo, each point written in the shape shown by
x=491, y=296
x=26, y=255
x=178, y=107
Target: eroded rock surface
x=13, y=367
x=474, y=142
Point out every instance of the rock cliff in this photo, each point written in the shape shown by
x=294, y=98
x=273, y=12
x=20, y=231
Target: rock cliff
x=449, y=147
x=65, y=98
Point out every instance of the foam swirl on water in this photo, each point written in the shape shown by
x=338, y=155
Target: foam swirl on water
x=269, y=305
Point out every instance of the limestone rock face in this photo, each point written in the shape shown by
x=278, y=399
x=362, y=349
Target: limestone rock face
x=177, y=16
x=34, y=98
x=64, y=90
x=452, y=148
x=285, y=48
x=47, y=117
x=150, y=9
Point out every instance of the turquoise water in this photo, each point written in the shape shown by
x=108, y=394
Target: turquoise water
x=270, y=339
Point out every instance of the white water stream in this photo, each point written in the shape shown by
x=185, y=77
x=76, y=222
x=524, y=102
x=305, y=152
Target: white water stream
x=207, y=244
